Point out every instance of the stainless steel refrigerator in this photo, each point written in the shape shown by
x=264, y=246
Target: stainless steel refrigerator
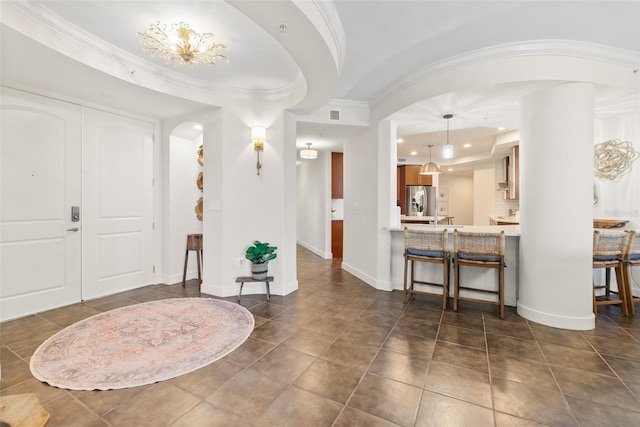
x=421, y=200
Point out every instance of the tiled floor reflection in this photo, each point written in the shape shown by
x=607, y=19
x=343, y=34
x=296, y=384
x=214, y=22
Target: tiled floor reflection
x=339, y=353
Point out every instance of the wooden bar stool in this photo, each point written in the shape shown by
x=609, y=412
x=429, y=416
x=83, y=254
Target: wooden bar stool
x=428, y=245
x=484, y=250
x=194, y=243
x=631, y=259
x=608, y=252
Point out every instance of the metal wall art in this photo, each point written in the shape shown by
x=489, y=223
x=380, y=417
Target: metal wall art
x=613, y=158
x=199, y=184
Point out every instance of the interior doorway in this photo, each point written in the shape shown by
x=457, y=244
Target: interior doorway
x=185, y=197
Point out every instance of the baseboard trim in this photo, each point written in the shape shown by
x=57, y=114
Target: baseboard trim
x=378, y=284
x=574, y=323
x=320, y=253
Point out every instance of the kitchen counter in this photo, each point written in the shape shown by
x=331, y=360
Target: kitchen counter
x=512, y=230
x=442, y=219
x=415, y=218
x=510, y=220
x=483, y=278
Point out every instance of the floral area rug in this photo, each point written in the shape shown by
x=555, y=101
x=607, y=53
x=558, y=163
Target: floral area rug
x=141, y=344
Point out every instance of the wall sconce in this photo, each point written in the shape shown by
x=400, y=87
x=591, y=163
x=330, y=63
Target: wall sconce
x=258, y=136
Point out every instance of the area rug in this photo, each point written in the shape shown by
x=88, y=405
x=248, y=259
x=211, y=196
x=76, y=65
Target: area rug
x=141, y=344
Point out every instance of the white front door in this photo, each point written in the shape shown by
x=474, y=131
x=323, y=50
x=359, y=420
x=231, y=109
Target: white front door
x=40, y=181
x=118, y=248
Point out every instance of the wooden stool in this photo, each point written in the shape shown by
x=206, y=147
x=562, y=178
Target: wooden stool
x=631, y=259
x=608, y=252
x=478, y=250
x=243, y=279
x=426, y=245
x=194, y=243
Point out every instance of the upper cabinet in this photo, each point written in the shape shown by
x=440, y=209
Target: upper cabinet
x=336, y=176
x=409, y=175
x=514, y=174
x=412, y=176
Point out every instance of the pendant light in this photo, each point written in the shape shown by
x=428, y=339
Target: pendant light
x=430, y=168
x=308, y=153
x=447, y=150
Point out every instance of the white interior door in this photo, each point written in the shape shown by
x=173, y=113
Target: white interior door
x=40, y=180
x=118, y=203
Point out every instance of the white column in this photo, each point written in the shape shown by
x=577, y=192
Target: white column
x=387, y=196
x=556, y=180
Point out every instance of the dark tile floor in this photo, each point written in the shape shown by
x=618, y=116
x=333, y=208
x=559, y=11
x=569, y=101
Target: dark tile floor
x=337, y=352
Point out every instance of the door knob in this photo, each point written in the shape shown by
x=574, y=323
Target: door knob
x=73, y=229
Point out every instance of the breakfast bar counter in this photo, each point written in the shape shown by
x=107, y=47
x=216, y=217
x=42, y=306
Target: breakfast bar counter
x=482, y=278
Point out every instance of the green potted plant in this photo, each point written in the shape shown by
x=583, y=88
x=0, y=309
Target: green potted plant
x=260, y=253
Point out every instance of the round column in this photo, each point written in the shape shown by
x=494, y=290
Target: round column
x=556, y=211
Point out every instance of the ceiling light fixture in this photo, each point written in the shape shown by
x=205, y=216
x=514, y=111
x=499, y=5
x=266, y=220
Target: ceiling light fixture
x=447, y=150
x=308, y=153
x=178, y=44
x=430, y=168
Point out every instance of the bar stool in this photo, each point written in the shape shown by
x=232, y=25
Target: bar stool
x=631, y=259
x=194, y=243
x=608, y=252
x=428, y=245
x=484, y=250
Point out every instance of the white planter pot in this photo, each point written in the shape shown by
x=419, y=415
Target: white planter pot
x=259, y=271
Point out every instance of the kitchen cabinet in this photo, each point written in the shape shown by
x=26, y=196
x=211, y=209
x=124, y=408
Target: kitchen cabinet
x=409, y=175
x=336, y=176
x=336, y=193
x=336, y=238
x=513, y=174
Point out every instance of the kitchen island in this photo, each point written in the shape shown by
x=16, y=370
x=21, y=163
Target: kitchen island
x=483, y=278
x=442, y=219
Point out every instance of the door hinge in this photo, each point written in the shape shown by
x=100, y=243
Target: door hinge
x=153, y=225
x=154, y=268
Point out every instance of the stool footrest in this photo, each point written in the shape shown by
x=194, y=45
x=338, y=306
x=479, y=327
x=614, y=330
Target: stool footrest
x=486, y=291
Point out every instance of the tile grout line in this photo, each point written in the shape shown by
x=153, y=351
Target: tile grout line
x=553, y=375
x=486, y=347
x=426, y=373
x=364, y=373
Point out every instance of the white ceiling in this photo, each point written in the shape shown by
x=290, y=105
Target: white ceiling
x=379, y=45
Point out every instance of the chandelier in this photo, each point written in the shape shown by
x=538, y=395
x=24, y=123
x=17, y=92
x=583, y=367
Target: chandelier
x=179, y=44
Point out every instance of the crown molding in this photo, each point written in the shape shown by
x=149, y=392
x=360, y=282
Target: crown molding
x=567, y=48
x=40, y=24
x=329, y=13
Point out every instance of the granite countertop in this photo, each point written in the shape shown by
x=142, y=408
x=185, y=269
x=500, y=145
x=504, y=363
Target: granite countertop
x=509, y=219
x=509, y=230
x=405, y=218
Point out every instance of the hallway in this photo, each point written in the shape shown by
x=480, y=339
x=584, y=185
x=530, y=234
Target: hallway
x=337, y=352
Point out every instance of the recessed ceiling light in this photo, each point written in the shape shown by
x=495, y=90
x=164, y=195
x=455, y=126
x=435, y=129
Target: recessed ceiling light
x=413, y=153
x=501, y=128
x=399, y=140
x=450, y=170
x=467, y=145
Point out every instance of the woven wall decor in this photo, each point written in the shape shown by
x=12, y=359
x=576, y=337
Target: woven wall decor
x=613, y=158
x=199, y=183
